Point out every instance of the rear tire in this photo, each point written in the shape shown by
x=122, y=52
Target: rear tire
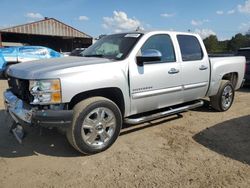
x=223, y=100
x=97, y=122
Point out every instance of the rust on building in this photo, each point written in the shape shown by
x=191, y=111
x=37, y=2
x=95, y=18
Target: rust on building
x=48, y=32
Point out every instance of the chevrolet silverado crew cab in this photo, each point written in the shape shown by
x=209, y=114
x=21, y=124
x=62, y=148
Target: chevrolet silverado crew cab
x=123, y=78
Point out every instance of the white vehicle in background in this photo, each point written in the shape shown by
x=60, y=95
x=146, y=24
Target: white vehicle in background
x=77, y=52
x=129, y=77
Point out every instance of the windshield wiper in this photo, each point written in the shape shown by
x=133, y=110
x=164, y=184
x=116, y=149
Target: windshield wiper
x=101, y=56
x=93, y=55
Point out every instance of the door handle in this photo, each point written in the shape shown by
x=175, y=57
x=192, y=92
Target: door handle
x=203, y=67
x=173, y=71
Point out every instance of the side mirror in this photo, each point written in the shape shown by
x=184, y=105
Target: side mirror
x=148, y=55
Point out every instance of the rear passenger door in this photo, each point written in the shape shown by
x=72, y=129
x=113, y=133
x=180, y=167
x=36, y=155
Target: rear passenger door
x=194, y=66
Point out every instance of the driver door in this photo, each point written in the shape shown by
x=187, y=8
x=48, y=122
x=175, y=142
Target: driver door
x=156, y=84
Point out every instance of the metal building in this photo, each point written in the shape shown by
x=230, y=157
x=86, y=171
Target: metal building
x=48, y=32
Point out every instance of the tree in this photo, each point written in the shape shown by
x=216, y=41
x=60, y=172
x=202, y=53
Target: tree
x=238, y=41
x=211, y=44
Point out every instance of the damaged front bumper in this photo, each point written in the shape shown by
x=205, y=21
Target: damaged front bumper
x=25, y=114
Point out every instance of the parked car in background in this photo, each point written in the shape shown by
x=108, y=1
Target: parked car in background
x=65, y=54
x=246, y=52
x=77, y=52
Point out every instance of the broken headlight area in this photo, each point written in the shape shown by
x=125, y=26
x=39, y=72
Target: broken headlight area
x=45, y=91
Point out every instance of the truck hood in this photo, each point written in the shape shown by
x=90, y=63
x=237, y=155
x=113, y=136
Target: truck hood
x=35, y=69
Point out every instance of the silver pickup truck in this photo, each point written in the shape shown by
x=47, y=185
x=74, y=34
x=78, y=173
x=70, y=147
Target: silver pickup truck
x=129, y=77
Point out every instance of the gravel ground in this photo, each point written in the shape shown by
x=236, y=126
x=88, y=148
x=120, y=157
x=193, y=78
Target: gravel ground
x=201, y=148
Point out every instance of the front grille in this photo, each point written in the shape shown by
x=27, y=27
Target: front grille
x=20, y=88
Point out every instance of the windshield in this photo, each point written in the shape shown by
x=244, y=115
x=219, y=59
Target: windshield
x=116, y=46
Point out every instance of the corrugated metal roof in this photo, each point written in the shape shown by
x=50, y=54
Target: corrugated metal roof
x=48, y=26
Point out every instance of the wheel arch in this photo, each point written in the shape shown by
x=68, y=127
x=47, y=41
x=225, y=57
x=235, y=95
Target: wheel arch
x=112, y=93
x=232, y=77
x=215, y=82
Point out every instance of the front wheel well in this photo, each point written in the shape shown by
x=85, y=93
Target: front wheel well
x=232, y=77
x=113, y=94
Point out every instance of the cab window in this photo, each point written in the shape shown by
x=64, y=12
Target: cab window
x=190, y=48
x=162, y=43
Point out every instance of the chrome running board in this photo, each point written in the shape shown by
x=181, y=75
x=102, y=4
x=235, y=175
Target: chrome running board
x=134, y=121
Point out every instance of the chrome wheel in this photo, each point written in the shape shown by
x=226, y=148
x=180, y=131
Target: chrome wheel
x=98, y=127
x=227, y=97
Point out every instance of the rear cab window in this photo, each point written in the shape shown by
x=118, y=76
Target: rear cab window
x=190, y=48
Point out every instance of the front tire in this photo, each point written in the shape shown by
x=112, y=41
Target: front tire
x=224, y=98
x=97, y=122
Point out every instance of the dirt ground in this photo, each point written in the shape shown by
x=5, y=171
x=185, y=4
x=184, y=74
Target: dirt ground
x=202, y=148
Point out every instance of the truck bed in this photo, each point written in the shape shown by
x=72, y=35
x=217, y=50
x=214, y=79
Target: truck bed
x=223, y=65
x=221, y=55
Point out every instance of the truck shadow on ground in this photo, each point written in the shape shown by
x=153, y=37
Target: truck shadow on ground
x=205, y=108
x=127, y=129
x=208, y=108
x=49, y=142
x=230, y=138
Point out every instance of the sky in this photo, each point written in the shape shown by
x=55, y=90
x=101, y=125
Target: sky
x=223, y=18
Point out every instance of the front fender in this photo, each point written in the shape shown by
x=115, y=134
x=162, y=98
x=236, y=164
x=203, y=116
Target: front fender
x=106, y=77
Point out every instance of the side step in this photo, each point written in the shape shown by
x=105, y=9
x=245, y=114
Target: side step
x=134, y=121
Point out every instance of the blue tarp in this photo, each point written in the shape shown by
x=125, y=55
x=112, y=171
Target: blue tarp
x=24, y=53
x=28, y=53
x=2, y=62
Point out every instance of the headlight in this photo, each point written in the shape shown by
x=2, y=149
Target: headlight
x=45, y=91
